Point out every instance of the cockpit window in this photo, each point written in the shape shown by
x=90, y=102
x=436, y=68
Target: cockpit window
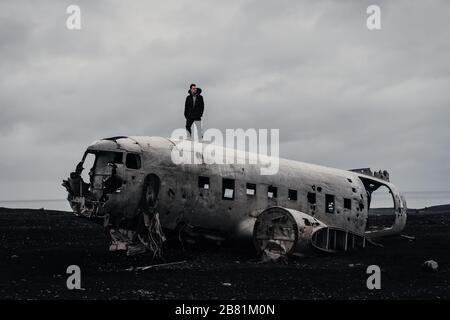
x=88, y=166
x=105, y=157
x=133, y=161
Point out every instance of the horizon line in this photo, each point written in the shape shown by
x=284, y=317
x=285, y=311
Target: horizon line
x=64, y=199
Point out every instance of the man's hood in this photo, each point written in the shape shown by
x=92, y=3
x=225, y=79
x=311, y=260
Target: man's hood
x=199, y=91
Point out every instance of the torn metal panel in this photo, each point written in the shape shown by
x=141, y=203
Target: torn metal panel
x=280, y=231
x=381, y=174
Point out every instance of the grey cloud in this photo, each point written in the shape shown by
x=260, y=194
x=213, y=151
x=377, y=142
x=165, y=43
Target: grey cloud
x=341, y=95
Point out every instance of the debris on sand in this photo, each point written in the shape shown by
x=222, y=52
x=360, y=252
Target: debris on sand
x=352, y=265
x=408, y=237
x=155, y=266
x=430, y=266
x=270, y=256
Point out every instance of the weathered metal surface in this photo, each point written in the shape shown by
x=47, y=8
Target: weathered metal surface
x=181, y=202
x=280, y=231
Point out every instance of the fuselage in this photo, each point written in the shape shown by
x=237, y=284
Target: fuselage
x=224, y=200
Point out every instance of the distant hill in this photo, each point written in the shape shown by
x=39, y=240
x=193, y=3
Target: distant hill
x=441, y=209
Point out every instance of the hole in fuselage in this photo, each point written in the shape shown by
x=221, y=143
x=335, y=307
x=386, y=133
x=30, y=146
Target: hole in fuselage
x=381, y=205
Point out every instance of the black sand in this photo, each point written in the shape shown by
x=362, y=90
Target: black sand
x=36, y=246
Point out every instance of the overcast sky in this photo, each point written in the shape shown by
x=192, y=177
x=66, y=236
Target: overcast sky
x=341, y=95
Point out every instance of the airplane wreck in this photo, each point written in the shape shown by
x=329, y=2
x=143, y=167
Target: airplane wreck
x=140, y=195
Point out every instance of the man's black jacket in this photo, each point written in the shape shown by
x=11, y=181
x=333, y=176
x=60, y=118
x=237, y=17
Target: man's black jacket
x=191, y=111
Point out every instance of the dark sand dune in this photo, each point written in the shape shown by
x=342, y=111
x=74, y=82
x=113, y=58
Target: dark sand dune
x=36, y=246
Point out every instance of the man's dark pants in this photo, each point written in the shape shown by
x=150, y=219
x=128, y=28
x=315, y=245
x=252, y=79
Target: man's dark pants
x=189, y=123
